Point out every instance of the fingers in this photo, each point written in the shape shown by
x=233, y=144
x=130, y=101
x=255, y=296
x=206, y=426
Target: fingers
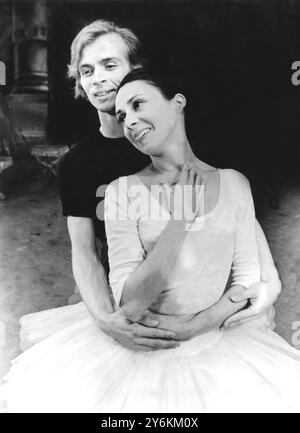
x=190, y=175
x=241, y=317
x=140, y=331
x=198, y=179
x=155, y=344
x=149, y=319
x=240, y=322
x=184, y=175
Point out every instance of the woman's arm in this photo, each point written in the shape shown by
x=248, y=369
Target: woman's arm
x=245, y=265
x=138, y=279
x=263, y=294
x=91, y=280
x=269, y=273
x=211, y=318
x=144, y=284
x=229, y=310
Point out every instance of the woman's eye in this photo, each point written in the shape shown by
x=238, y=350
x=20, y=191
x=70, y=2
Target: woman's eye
x=121, y=118
x=136, y=104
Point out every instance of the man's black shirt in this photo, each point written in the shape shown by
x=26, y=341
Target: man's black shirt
x=94, y=161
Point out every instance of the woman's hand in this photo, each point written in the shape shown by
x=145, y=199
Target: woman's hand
x=185, y=200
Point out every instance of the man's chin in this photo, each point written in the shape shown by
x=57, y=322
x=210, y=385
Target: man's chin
x=106, y=108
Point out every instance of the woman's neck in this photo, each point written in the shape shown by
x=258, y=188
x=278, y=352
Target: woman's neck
x=179, y=152
x=109, y=125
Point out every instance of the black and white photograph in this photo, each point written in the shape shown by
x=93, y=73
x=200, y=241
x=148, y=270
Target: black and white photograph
x=150, y=207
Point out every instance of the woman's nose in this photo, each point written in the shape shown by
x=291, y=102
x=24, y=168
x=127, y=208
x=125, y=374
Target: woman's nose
x=131, y=120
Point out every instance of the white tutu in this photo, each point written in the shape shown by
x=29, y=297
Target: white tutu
x=72, y=366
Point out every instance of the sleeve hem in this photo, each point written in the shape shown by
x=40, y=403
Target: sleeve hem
x=118, y=289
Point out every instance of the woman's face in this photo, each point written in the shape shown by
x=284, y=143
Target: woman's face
x=147, y=116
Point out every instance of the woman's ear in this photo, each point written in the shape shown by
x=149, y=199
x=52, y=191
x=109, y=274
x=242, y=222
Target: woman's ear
x=137, y=66
x=179, y=101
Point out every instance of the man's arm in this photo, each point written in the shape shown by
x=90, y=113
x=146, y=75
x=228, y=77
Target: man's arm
x=88, y=271
x=91, y=281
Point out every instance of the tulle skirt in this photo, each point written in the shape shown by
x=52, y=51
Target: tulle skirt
x=70, y=365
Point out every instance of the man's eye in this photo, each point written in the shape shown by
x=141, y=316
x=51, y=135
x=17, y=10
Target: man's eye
x=86, y=72
x=110, y=66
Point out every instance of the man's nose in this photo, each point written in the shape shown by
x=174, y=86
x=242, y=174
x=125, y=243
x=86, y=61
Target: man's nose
x=100, y=76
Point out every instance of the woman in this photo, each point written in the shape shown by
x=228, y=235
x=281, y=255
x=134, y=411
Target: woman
x=175, y=230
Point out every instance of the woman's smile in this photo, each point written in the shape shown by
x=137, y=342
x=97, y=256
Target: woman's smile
x=142, y=109
x=139, y=136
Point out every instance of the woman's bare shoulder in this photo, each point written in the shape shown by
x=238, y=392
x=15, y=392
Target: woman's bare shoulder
x=205, y=167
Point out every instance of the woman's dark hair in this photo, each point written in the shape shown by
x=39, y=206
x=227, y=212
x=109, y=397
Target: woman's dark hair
x=169, y=84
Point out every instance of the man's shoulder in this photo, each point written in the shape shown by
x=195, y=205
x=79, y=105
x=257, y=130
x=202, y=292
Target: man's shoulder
x=83, y=146
x=78, y=152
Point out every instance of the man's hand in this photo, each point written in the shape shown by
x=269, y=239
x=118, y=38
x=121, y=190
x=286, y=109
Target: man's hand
x=188, y=327
x=262, y=296
x=183, y=327
x=137, y=336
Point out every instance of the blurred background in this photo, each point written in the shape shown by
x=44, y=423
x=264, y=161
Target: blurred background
x=235, y=59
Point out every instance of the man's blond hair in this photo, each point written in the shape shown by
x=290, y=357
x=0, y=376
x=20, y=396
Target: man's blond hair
x=89, y=34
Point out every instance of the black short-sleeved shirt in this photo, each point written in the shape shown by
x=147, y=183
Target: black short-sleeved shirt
x=94, y=161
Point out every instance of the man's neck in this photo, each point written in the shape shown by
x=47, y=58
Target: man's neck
x=109, y=126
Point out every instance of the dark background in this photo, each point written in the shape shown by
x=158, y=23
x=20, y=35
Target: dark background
x=235, y=59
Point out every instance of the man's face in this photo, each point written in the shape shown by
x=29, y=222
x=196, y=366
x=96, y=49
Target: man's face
x=102, y=67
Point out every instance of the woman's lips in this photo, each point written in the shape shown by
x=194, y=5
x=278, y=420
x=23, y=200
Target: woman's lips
x=138, y=137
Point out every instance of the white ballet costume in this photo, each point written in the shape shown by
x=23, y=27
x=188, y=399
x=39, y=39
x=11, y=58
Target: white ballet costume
x=70, y=365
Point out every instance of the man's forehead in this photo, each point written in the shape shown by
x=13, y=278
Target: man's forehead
x=110, y=45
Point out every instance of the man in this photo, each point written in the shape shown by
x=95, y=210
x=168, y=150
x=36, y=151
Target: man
x=101, y=55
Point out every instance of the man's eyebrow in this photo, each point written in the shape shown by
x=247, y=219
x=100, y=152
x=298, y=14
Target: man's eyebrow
x=105, y=60
x=84, y=65
x=109, y=59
